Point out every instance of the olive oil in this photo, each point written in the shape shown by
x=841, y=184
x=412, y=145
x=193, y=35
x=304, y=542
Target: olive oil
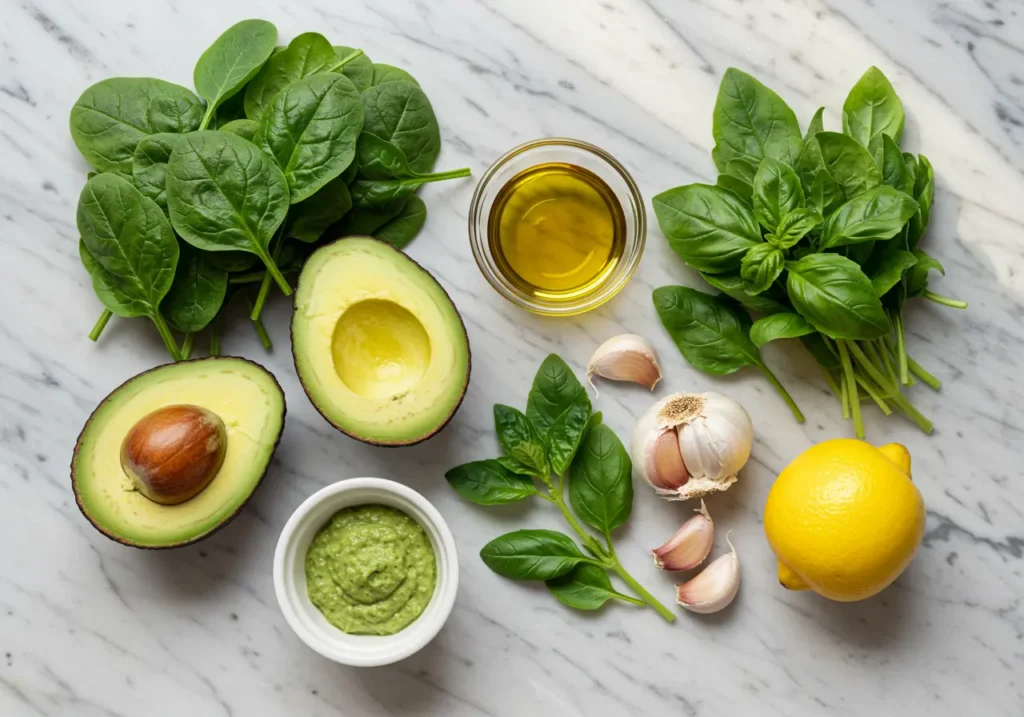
x=557, y=231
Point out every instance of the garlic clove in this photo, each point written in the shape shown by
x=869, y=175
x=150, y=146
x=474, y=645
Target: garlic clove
x=690, y=544
x=714, y=587
x=664, y=465
x=627, y=357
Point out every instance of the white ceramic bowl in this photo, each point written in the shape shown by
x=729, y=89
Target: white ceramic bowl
x=290, y=574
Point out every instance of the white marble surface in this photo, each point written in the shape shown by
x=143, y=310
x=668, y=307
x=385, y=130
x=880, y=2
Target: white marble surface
x=90, y=628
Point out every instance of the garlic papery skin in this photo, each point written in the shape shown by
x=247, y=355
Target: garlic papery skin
x=690, y=544
x=715, y=436
x=714, y=587
x=626, y=357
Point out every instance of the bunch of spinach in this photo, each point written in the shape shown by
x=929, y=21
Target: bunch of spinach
x=200, y=197
x=817, y=233
x=558, y=444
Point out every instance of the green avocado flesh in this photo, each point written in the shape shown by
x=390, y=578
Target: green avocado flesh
x=371, y=570
x=251, y=405
x=379, y=347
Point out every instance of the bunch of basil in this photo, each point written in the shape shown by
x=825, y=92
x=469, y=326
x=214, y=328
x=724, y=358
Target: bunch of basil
x=817, y=233
x=199, y=198
x=559, y=444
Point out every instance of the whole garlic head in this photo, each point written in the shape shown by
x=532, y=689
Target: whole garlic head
x=689, y=445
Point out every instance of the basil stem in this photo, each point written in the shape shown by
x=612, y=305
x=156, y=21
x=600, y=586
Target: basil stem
x=851, y=387
x=944, y=300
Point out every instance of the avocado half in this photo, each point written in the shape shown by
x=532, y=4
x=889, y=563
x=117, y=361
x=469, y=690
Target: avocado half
x=248, y=400
x=379, y=347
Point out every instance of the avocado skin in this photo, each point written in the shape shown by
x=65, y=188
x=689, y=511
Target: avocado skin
x=207, y=534
x=469, y=358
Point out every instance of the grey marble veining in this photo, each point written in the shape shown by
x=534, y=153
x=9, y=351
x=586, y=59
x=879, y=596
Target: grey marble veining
x=89, y=628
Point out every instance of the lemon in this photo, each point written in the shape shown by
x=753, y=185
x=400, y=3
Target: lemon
x=844, y=519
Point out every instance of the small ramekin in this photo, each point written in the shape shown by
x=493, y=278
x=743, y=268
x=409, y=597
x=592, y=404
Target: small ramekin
x=569, y=151
x=290, y=574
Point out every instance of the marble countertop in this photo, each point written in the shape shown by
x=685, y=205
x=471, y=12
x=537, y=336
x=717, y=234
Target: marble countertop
x=90, y=628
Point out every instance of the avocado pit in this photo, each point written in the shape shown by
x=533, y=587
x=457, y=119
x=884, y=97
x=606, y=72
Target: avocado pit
x=173, y=453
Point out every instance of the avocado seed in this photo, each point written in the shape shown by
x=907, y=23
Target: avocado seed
x=174, y=452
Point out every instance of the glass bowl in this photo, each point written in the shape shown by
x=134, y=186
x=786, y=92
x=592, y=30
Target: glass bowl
x=569, y=151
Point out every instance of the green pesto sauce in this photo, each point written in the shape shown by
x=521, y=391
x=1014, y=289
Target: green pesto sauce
x=371, y=570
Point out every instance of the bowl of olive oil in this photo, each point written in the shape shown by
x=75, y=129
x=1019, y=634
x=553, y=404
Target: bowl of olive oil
x=557, y=226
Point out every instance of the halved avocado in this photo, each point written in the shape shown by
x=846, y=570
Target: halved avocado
x=243, y=395
x=379, y=346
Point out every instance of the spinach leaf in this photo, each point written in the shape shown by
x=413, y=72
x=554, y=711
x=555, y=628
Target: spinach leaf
x=752, y=122
x=555, y=389
x=149, y=165
x=777, y=192
x=359, y=70
x=785, y=325
x=836, y=297
x=794, y=227
x=399, y=113
x=232, y=60
x=489, y=483
x=244, y=128
x=600, y=480
x=849, y=163
x=386, y=175
x=197, y=293
x=366, y=221
x=712, y=334
x=388, y=73
x=760, y=268
x=732, y=286
x=103, y=285
x=877, y=214
x=532, y=554
x=563, y=439
x=231, y=109
x=890, y=270
x=872, y=108
x=232, y=261
x=223, y=194
x=112, y=116
x=308, y=54
x=310, y=129
x=401, y=230
x=917, y=277
x=893, y=166
x=310, y=218
x=585, y=587
x=924, y=193
x=737, y=186
x=709, y=227
x=519, y=439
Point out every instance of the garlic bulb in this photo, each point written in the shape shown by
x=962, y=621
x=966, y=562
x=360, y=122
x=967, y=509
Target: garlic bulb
x=689, y=445
x=714, y=587
x=690, y=544
x=626, y=358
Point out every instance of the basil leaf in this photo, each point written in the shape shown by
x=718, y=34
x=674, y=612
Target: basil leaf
x=223, y=193
x=751, y=122
x=310, y=129
x=308, y=54
x=890, y=270
x=600, y=480
x=712, y=334
x=893, y=166
x=197, y=293
x=872, y=108
x=816, y=346
x=128, y=236
x=532, y=554
x=400, y=113
x=149, y=165
x=111, y=117
x=825, y=194
x=742, y=169
x=359, y=70
x=777, y=192
x=401, y=230
x=817, y=124
x=489, y=483
x=585, y=587
x=708, y=227
x=760, y=268
x=877, y=214
x=849, y=163
x=917, y=277
x=555, y=388
x=737, y=186
x=732, y=286
x=310, y=218
x=794, y=227
x=231, y=61
x=387, y=73
x=785, y=325
x=924, y=193
x=244, y=128
x=563, y=439
x=102, y=285
x=912, y=170
x=515, y=466
x=836, y=297
x=520, y=439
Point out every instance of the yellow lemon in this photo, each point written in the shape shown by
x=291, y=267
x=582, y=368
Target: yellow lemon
x=844, y=519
